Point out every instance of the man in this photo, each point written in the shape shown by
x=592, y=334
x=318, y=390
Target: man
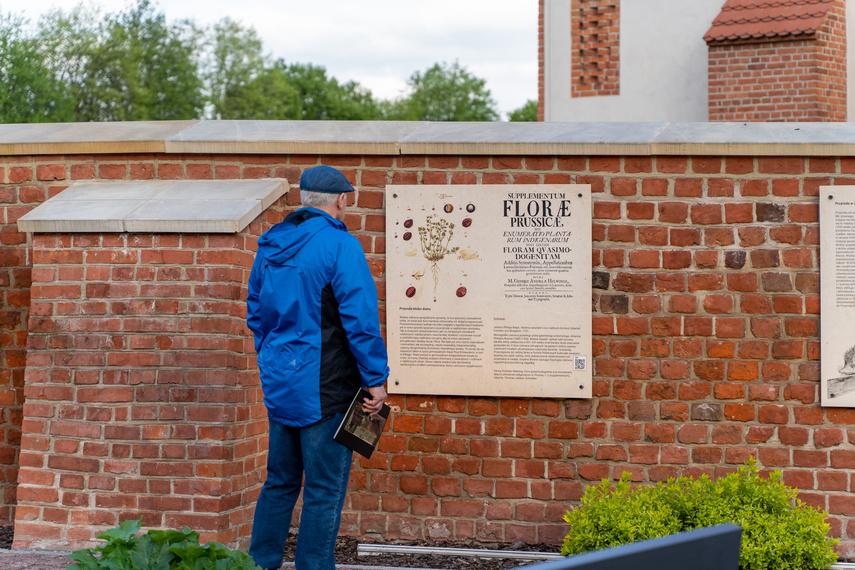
x=312, y=306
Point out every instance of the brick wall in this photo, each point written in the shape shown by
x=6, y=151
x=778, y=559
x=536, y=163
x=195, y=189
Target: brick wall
x=705, y=311
x=793, y=80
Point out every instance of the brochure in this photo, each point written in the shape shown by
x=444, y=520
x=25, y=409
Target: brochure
x=360, y=431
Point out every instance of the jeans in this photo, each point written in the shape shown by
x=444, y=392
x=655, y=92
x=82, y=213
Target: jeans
x=292, y=453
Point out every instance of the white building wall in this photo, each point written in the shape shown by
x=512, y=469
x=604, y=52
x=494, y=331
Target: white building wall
x=663, y=63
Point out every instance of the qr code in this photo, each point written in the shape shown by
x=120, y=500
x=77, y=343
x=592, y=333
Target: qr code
x=580, y=363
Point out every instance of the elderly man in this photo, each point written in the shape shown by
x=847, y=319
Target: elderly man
x=312, y=307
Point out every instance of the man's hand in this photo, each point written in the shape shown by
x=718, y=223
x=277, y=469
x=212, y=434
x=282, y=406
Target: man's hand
x=378, y=396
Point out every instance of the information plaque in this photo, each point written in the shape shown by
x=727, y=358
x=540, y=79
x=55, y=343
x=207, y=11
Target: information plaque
x=837, y=295
x=488, y=290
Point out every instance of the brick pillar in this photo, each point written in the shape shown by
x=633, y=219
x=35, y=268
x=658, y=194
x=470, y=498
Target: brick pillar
x=142, y=397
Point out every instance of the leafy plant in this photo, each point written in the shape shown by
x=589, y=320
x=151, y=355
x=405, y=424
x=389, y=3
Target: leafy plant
x=778, y=530
x=157, y=550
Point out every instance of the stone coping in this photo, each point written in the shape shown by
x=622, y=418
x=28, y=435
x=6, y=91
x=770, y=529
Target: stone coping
x=421, y=138
x=181, y=206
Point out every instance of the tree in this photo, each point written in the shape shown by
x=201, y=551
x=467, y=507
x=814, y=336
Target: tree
x=134, y=66
x=31, y=94
x=66, y=41
x=293, y=92
x=129, y=66
x=268, y=96
x=235, y=64
x=444, y=93
x=322, y=97
x=527, y=112
x=145, y=69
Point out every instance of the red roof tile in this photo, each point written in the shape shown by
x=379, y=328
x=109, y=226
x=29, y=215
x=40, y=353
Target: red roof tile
x=767, y=20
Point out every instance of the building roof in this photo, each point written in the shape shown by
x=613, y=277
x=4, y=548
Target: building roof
x=743, y=21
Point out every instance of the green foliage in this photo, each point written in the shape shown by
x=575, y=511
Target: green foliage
x=778, y=531
x=526, y=113
x=129, y=66
x=444, y=93
x=30, y=94
x=235, y=63
x=83, y=65
x=157, y=550
x=320, y=97
x=141, y=69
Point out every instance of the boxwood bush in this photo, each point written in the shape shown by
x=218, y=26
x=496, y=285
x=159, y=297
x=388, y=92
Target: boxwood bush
x=157, y=550
x=778, y=530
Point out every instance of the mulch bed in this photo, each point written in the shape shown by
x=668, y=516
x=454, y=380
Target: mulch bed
x=7, y=533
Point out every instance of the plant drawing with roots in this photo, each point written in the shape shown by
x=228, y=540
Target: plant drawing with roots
x=435, y=239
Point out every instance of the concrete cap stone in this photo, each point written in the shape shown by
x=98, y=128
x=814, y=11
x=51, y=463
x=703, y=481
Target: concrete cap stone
x=180, y=206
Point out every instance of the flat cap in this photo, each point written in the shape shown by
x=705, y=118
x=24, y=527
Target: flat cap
x=324, y=179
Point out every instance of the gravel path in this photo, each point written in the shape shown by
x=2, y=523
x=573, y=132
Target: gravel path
x=32, y=560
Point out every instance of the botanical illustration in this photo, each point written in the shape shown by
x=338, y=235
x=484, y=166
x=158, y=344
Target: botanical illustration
x=435, y=237
x=846, y=383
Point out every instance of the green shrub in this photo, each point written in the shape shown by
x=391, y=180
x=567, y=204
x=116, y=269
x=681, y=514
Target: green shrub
x=157, y=550
x=778, y=531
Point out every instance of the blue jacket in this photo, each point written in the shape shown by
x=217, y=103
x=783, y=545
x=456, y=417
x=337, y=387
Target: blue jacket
x=312, y=306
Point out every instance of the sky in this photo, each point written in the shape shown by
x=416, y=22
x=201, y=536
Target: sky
x=378, y=43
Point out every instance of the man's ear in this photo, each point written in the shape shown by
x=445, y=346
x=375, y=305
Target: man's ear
x=342, y=200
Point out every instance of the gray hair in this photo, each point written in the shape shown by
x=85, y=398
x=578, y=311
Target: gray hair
x=317, y=199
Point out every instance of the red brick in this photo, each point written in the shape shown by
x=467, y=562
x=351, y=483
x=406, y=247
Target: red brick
x=703, y=214
x=580, y=450
x=688, y=187
x=769, y=414
x=659, y=433
x=739, y=412
x=828, y=437
x=19, y=174
x=673, y=212
x=671, y=164
x=623, y=431
x=623, y=186
x=720, y=187
x=654, y=187
x=692, y=433
x=483, y=406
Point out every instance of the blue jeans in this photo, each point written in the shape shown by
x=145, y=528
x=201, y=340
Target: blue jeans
x=292, y=453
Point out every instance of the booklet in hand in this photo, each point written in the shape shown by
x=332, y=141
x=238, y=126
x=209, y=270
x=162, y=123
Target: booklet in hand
x=360, y=431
